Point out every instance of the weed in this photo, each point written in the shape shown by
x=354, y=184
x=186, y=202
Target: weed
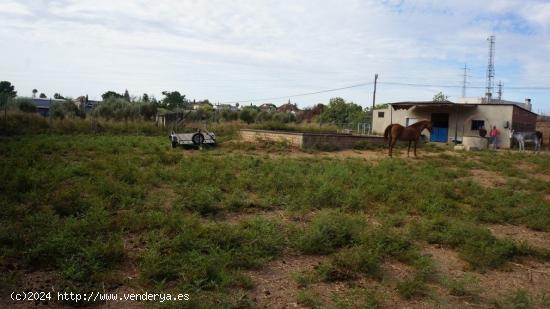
x=328, y=231
x=308, y=299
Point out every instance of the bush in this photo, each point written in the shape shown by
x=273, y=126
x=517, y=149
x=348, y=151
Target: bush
x=117, y=109
x=476, y=245
x=65, y=109
x=330, y=230
x=25, y=105
x=203, y=256
x=347, y=263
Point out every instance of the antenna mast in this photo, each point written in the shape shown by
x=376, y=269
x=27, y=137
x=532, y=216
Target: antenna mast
x=490, y=68
x=464, y=81
x=499, y=91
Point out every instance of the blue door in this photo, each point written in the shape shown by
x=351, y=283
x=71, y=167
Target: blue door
x=440, y=128
x=439, y=134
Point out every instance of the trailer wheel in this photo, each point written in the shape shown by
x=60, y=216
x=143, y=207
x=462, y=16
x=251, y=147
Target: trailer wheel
x=197, y=139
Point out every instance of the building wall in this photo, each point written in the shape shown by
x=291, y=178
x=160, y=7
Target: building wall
x=390, y=116
x=523, y=120
x=310, y=140
x=460, y=119
x=543, y=125
x=498, y=116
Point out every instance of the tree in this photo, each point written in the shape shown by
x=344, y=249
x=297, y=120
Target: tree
x=118, y=109
x=64, y=109
x=173, y=100
x=25, y=105
x=34, y=92
x=378, y=106
x=127, y=95
x=58, y=96
x=145, y=97
x=111, y=95
x=8, y=89
x=340, y=112
x=440, y=97
x=148, y=110
x=43, y=96
x=248, y=114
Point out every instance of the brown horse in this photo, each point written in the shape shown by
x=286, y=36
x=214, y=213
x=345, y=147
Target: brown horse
x=411, y=133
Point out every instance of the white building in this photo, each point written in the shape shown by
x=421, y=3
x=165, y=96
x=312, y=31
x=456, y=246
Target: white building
x=452, y=121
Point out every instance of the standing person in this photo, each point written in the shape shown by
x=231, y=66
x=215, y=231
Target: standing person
x=493, y=137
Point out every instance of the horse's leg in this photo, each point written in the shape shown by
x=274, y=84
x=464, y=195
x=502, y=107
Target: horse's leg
x=409, y=149
x=415, y=149
x=393, y=141
x=522, y=146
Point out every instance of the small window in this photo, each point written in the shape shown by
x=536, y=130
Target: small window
x=380, y=114
x=477, y=124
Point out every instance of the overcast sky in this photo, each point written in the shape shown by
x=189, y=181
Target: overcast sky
x=250, y=50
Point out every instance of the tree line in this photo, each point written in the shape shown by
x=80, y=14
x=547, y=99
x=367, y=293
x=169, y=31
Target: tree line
x=123, y=106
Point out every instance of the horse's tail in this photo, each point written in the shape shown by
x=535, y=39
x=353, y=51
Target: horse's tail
x=387, y=132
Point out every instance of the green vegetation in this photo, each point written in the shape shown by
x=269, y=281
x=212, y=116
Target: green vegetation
x=90, y=203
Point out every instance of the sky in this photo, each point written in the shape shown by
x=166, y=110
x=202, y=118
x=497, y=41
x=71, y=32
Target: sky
x=255, y=51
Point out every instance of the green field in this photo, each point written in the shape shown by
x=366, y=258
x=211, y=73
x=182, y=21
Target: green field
x=243, y=225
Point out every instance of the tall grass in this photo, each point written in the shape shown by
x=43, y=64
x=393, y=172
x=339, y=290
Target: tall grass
x=85, y=205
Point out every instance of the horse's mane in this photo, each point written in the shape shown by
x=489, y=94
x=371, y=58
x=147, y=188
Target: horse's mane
x=420, y=123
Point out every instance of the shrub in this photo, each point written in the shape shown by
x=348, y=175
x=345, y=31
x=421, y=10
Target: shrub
x=476, y=245
x=64, y=109
x=330, y=230
x=117, y=109
x=25, y=105
x=347, y=263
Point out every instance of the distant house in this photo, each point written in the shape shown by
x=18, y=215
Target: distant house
x=268, y=107
x=453, y=121
x=84, y=104
x=288, y=108
x=43, y=105
x=201, y=104
x=226, y=107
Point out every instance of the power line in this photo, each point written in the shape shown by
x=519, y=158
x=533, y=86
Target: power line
x=460, y=86
x=383, y=83
x=301, y=94
x=427, y=85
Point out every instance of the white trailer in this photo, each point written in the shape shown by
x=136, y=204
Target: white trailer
x=197, y=139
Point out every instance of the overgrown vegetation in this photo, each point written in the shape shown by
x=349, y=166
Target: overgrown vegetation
x=85, y=206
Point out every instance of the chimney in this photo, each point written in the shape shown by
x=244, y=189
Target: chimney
x=528, y=104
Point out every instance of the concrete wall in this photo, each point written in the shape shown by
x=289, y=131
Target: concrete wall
x=310, y=140
x=460, y=119
x=494, y=115
x=337, y=141
x=294, y=138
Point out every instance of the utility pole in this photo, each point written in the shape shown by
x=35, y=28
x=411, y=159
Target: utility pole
x=373, y=101
x=374, y=92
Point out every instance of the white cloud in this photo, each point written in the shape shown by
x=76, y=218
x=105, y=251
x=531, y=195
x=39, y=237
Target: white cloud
x=245, y=49
x=12, y=7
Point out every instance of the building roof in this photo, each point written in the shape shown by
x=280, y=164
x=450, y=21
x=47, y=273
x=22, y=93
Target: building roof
x=44, y=103
x=409, y=104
